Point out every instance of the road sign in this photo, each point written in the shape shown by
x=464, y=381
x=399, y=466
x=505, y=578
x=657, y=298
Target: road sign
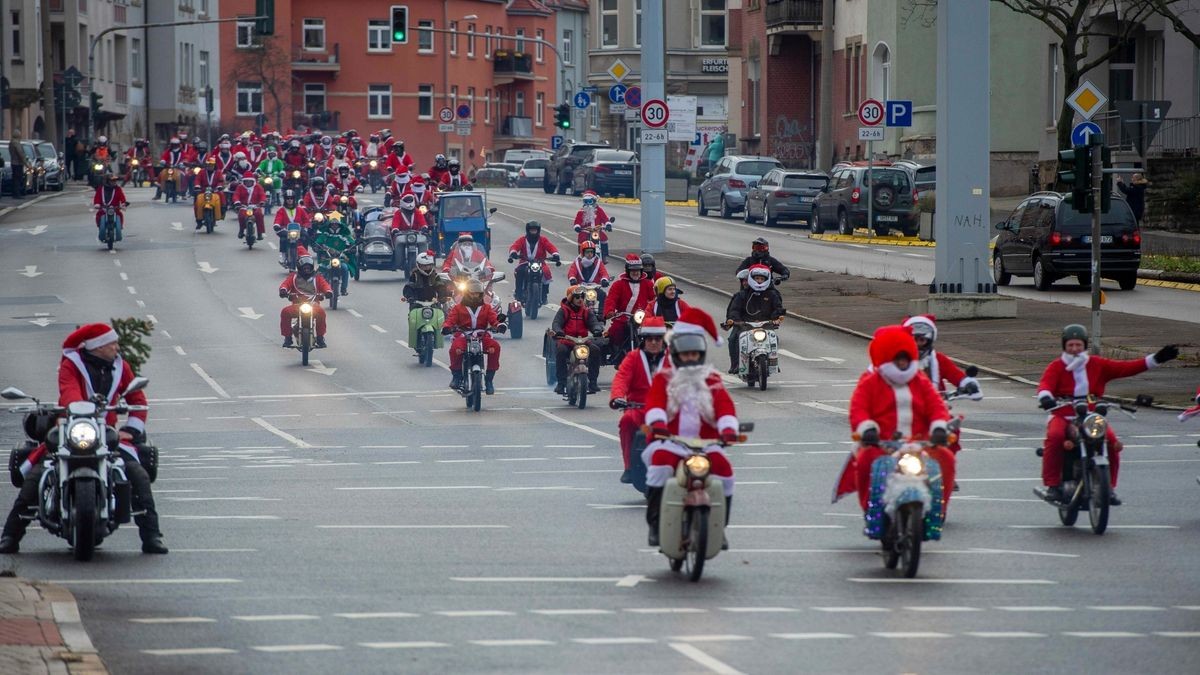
x=582, y=100
x=899, y=114
x=654, y=136
x=618, y=70
x=870, y=112
x=72, y=76
x=633, y=97
x=1082, y=131
x=1087, y=100
x=1141, y=120
x=462, y=131
x=464, y=111
x=591, y=89
x=445, y=127
x=556, y=142
x=655, y=114
x=446, y=115
x=682, y=126
x=870, y=133
x=616, y=93
x=617, y=109
x=633, y=114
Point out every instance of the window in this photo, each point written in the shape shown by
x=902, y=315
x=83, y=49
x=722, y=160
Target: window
x=425, y=101
x=540, y=109
x=314, y=34
x=245, y=34
x=539, y=49
x=594, y=117
x=853, y=76
x=424, y=37
x=16, y=35
x=135, y=58
x=487, y=42
x=249, y=98
x=1052, y=86
x=204, y=6
x=568, y=41
x=520, y=43
x=519, y=104
x=608, y=23
x=1121, y=70
x=379, y=35
x=470, y=40
x=185, y=65
x=204, y=75
x=453, y=38
x=471, y=99
x=454, y=97
x=637, y=23
x=487, y=106
x=379, y=100
x=314, y=97
x=712, y=23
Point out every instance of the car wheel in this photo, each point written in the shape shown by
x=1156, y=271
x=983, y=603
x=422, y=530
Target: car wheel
x=912, y=230
x=844, y=226
x=767, y=219
x=1002, y=277
x=1128, y=281
x=746, y=217
x=1041, y=279
x=700, y=204
x=814, y=223
x=726, y=212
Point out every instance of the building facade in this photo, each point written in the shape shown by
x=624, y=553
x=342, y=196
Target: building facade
x=572, y=30
x=176, y=86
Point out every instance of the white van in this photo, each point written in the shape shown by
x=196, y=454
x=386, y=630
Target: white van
x=519, y=155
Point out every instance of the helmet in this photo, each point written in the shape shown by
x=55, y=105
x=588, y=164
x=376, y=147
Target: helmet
x=374, y=138
x=174, y=141
x=1074, y=332
x=38, y=424
x=589, y=198
x=687, y=342
x=632, y=262
x=759, y=247
x=385, y=132
x=102, y=140
x=648, y=262
x=294, y=144
x=439, y=160
x=922, y=327
x=210, y=160
x=344, y=169
x=759, y=278
x=465, y=238
x=317, y=182
x=326, y=141
x=351, y=133
x=408, y=202
x=533, y=227
x=110, y=179
x=587, y=245
x=289, y=196
x=399, y=144
x=305, y=260
x=339, y=150
x=663, y=284
x=454, y=165
x=575, y=291
x=425, y=261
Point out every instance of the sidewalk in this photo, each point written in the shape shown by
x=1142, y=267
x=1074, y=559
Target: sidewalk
x=40, y=631
x=1016, y=348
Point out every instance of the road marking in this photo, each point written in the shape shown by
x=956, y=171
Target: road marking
x=571, y=612
x=1178, y=634
x=1035, y=608
x=570, y=447
x=378, y=329
x=445, y=447
x=179, y=351
x=221, y=517
x=523, y=459
x=614, y=641
x=811, y=636
x=355, y=313
x=222, y=499
x=280, y=433
x=547, y=488
x=153, y=582
x=948, y=608
x=174, y=619
x=189, y=651
x=713, y=664
x=281, y=649
x=560, y=471
x=412, y=527
x=576, y=425
x=1047, y=554
x=1124, y=527
x=620, y=581
x=417, y=487
x=206, y=267
x=1103, y=634
x=503, y=446
x=377, y=615
x=841, y=610
x=215, y=550
x=665, y=610
x=276, y=617
x=750, y=610
x=997, y=480
x=248, y=313
x=457, y=461
x=131, y=289
x=909, y=635
x=211, y=382
x=986, y=434
x=817, y=405
x=1000, y=582
x=1004, y=634
x=793, y=355
x=383, y=447
x=402, y=645
x=1126, y=608
x=124, y=276
x=142, y=305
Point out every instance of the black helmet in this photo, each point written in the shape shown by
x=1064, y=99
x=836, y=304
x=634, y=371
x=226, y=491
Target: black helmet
x=648, y=263
x=1074, y=332
x=317, y=182
x=289, y=195
x=344, y=169
x=759, y=247
x=533, y=227
x=399, y=144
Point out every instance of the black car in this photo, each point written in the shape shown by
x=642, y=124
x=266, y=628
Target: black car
x=843, y=204
x=1047, y=239
x=560, y=171
x=606, y=171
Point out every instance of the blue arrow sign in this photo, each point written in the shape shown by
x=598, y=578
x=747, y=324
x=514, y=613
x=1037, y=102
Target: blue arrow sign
x=1083, y=131
x=616, y=93
x=582, y=100
x=898, y=113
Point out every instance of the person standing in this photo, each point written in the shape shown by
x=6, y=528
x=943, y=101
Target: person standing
x=19, y=164
x=1135, y=194
x=69, y=154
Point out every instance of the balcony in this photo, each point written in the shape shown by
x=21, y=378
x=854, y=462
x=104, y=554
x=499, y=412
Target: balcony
x=328, y=61
x=509, y=67
x=793, y=16
x=514, y=128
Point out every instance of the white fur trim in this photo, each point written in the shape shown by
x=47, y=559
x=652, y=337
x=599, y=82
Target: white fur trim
x=938, y=424
x=1045, y=393
x=101, y=340
x=655, y=415
x=1150, y=362
x=727, y=422
x=904, y=409
x=865, y=426
x=924, y=320
x=136, y=423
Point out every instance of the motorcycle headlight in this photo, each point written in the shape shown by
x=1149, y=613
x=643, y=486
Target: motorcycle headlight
x=306, y=308
x=411, y=238
x=759, y=335
x=423, y=209
x=374, y=164
x=335, y=263
x=319, y=218
x=293, y=235
x=697, y=465
x=1094, y=426
x=461, y=286
x=82, y=436
x=590, y=296
x=345, y=199
x=581, y=352
x=135, y=162
x=296, y=174
x=97, y=167
x=426, y=313
x=596, y=236
x=268, y=180
x=911, y=465
x=638, y=316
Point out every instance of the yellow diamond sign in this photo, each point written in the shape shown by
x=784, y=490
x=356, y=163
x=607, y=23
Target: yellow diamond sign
x=1087, y=100
x=618, y=70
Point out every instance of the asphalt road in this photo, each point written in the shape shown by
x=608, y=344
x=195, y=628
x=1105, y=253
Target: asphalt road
x=353, y=517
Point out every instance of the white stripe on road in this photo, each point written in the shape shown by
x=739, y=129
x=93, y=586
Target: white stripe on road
x=1004, y=634
x=665, y=610
x=221, y=517
x=811, y=636
x=1126, y=608
x=713, y=664
x=412, y=527
x=851, y=609
x=576, y=425
x=750, y=610
x=710, y=638
x=571, y=612
x=179, y=351
x=909, y=635
x=418, y=487
x=189, y=651
x=174, y=619
x=97, y=582
x=280, y=433
x=999, y=582
x=211, y=382
x=354, y=313
x=987, y=434
x=378, y=329
x=947, y=608
x=788, y=527
x=1035, y=608
x=614, y=641
x=468, y=613
x=1103, y=634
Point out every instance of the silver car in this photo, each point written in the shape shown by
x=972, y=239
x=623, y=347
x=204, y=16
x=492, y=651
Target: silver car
x=784, y=195
x=533, y=170
x=726, y=185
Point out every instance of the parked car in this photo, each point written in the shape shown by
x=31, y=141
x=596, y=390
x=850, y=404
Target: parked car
x=1047, y=239
x=533, y=170
x=843, y=204
x=924, y=175
x=492, y=176
x=509, y=167
x=560, y=171
x=519, y=155
x=725, y=187
x=784, y=195
x=606, y=171
x=7, y=175
x=55, y=177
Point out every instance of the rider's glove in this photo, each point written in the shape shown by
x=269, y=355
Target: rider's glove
x=596, y=333
x=1168, y=353
x=970, y=387
x=604, y=283
x=446, y=330
x=729, y=436
x=870, y=437
x=784, y=275
x=1047, y=402
x=283, y=293
x=502, y=328
x=659, y=430
x=617, y=403
x=939, y=437
x=609, y=224
x=558, y=263
x=512, y=257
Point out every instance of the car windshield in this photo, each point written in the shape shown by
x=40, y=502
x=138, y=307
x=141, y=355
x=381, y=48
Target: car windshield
x=892, y=177
x=805, y=182
x=1119, y=218
x=46, y=151
x=535, y=163
x=613, y=156
x=755, y=168
x=376, y=229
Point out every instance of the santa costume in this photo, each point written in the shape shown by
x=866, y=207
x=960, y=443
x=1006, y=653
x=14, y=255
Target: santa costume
x=632, y=383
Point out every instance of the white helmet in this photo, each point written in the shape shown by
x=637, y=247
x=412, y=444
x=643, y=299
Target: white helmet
x=239, y=155
x=102, y=140
x=759, y=277
x=425, y=258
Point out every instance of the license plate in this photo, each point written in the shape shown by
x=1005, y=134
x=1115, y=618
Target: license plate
x=623, y=173
x=805, y=200
x=1104, y=239
x=887, y=219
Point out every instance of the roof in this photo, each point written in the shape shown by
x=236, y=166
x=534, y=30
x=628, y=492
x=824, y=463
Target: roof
x=535, y=7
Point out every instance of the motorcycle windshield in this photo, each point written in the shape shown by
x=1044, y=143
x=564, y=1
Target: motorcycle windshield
x=377, y=229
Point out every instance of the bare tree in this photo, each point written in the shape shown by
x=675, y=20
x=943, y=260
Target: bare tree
x=1178, y=13
x=268, y=63
x=922, y=13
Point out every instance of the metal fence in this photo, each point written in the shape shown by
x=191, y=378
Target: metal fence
x=1177, y=136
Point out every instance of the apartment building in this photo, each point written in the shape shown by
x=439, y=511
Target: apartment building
x=176, y=85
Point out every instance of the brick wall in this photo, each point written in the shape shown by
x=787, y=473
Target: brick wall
x=1173, y=198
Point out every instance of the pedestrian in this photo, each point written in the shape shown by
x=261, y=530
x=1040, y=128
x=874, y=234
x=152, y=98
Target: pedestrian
x=716, y=149
x=69, y=153
x=80, y=158
x=1135, y=194
x=19, y=164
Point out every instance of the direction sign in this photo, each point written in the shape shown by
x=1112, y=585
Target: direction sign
x=616, y=93
x=446, y=115
x=899, y=114
x=870, y=112
x=591, y=89
x=633, y=97
x=582, y=100
x=556, y=142
x=870, y=133
x=464, y=111
x=617, y=109
x=1087, y=100
x=618, y=70
x=1083, y=131
x=655, y=114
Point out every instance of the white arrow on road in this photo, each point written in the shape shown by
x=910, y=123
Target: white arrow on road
x=178, y=227
x=43, y=322
x=248, y=313
x=30, y=271
x=32, y=230
x=318, y=367
x=206, y=267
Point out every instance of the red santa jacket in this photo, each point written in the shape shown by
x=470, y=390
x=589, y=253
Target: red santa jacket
x=397, y=162
x=190, y=154
x=110, y=196
x=1090, y=376
x=451, y=181
x=284, y=217
x=224, y=161
x=942, y=369
x=540, y=251
x=465, y=318
x=590, y=275
x=913, y=409
x=633, y=377
x=601, y=219
x=254, y=196
x=408, y=220
x=436, y=174
x=209, y=179
x=173, y=157
x=628, y=296
x=313, y=203
x=350, y=185
x=477, y=257
x=687, y=420
x=294, y=284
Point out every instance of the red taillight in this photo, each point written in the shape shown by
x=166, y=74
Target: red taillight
x=915, y=199
x=1055, y=239
x=735, y=183
x=1137, y=237
x=783, y=194
x=602, y=169
x=854, y=196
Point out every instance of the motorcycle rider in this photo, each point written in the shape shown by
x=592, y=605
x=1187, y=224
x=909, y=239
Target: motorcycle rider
x=255, y=153
x=937, y=366
x=407, y=217
x=249, y=194
x=453, y=178
x=1077, y=374
x=587, y=268
x=420, y=189
x=374, y=150
x=141, y=152
x=294, y=158
x=223, y=155
x=533, y=247
x=424, y=284
x=472, y=314
x=397, y=184
x=650, y=268
x=631, y=383
x=347, y=183
x=209, y=177
x=107, y=194
x=100, y=153
x=468, y=254
x=317, y=198
x=175, y=156
x=337, y=237
x=398, y=159
x=760, y=253
x=92, y=363
x=757, y=300
x=439, y=169
x=290, y=213
x=589, y=215
x=314, y=288
x=667, y=303
x=629, y=293
x=574, y=319
x=323, y=150
x=687, y=399
x=894, y=396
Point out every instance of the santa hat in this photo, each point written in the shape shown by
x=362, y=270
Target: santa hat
x=694, y=321
x=91, y=336
x=924, y=320
x=653, y=325
x=589, y=193
x=890, y=341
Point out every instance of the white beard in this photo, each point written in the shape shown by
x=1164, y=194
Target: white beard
x=689, y=386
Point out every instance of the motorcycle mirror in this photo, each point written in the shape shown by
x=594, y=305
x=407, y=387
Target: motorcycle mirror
x=746, y=427
x=972, y=371
x=137, y=384
x=1144, y=400
x=491, y=210
x=497, y=277
x=13, y=394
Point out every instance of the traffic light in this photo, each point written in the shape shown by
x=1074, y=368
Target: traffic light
x=96, y=102
x=562, y=116
x=265, y=8
x=1075, y=174
x=400, y=24
x=1106, y=186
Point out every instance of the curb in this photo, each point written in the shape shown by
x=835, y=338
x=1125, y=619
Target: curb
x=42, y=601
x=1179, y=280
x=881, y=240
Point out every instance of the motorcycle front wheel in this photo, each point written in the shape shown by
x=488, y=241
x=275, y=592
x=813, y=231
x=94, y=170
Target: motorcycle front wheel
x=1098, y=504
x=476, y=390
x=911, y=532
x=334, y=283
x=581, y=386
x=698, y=546
x=761, y=366
x=305, y=344
x=209, y=221
x=109, y=237
x=83, y=519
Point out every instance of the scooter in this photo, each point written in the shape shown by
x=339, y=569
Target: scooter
x=210, y=203
x=84, y=494
x=110, y=227
x=248, y=223
x=577, y=367
x=758, y=349
x=425, y=319
x=171, y=185
x=593, y=232
x=905, y=504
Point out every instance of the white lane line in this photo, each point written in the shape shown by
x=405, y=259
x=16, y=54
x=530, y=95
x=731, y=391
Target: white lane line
x=201, y=447
x=766, y=454
x=211, y=382
x=997, y=480
x=468, y=613
x=811, y=636
x=710, y=638
x=377, y=615
x=444, y=447
x=523, y=459
x=1178, y=633
x=503, y=446
x=999, y=582
x=947, y=608
x=276, y=617
x=354, y=313
x=124, y=276
x=568, y=471
x=817, y=405
x=1004, y=634
x=417, y=487
x=1126, y=608
x=412, y=527
x=189, y=651
x=571, y=447
x=458, y=461
x=215, y=550
x=909, y=635
x=1155, y=436
x=402, y=645
x=1124, y=527
x=1103, y=634
x=383, y=447
x=98, y=582
x=280, y=433
x=117, y=262
x=1034, y=608
x=665, y=610
x=546, y=488
x=132, y=290
x=517, y=642
x=173, y=619
x=142, y=305
x=571, y=612
x=404, y=461
x=840, y=610
x=987, y=434
x=752, y=610
x=627, y=581
x=576, y=425
x=378, y=329
x=614, y=641
x=710, y=662
x=179, y=351
x=282, y=649
x=807, y=443
x=222, y=499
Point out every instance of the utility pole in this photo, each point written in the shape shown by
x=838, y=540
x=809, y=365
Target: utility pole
x=825, y=129
x=48, y=77
x=654, y=156
x=1097, y=143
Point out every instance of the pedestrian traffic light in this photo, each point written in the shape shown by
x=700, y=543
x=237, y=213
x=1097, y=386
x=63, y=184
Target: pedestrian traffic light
x=562, y=116
x=1075, y=174
x=400, y=24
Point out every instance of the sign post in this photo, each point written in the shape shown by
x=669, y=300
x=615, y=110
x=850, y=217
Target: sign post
x=870, y=114
x=1096, y=141
x=654, y=156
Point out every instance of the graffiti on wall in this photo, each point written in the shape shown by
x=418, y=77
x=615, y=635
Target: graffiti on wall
x=791, y=141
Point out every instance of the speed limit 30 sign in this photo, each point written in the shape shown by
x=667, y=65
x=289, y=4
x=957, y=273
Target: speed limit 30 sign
x=655, y=113
x=870, y=112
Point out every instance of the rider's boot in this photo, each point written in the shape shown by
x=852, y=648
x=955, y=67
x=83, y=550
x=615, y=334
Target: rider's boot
x=725, y=530
x=456, y=379
x=1113, y=499
x=560, y=388
x=489, y=387
x=653, y=502
x=320, y=343
x=593, y=386
x=287, y=342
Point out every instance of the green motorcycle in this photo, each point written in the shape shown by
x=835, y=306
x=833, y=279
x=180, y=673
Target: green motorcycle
x=425, y=319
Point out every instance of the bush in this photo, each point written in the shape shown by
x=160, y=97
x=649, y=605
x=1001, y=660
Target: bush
x=130, y=333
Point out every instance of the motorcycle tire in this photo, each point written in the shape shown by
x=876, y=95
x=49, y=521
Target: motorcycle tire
x=912, y=532
x=427, y=350
x=305, y=345
x=572, y=395
x=891, y=556
x=1101, y=493
x=336, y=292
x=697, y=531
x=108, y=239
x=760, y=366
x=209, y=222
x=581, y=384
x=83, y=519
x=532, y=304
x=516, y=326
x=476, y=390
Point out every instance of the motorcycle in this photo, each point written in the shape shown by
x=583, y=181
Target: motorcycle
x=210, y=203
x=905, y=504
x=333, y=267
x=343, y=206
x=304, y=325
x=270, y=185
x=617, y=352
x=137, y=172
x=510, y=315
x=593, y=231
x=577, y=366
x=532, y=293
x=472, y=368
x=593, y=296
x=295, y=180
x=96, y=175
x=84, y=494
x=374, y=176
x=248, y=223
x=409, y=244
x=691, y=516
x=291, y=242
x=425, y=319
x=110, y=227
x=171, y=177
x=758, y=347
x=1086, y=477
